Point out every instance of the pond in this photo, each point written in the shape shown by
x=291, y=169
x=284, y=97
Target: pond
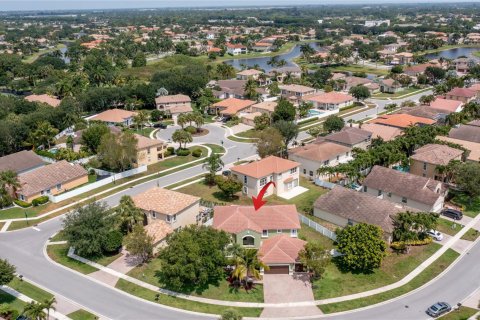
x=263, y=61
x=454, y=53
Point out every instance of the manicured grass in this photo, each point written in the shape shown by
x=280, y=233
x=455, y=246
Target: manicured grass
x=470, y=207
x=30, y=290
x=448, y=227
x=144, y=131
x=405, y=92
x=428, y=274
x=309, y=234
x=58, y=237
x=336, y=283
x=81, y=315
x=251, y=134
x=17, y=212
x=11, y=301
x=215, y=148
x=1, y=225
x=180, y=303
x=249, y=140
x=183, y=182
x=105, y=260
x=92, y=178
x=462, y=313
x=58, y=253
x=360, y=68
x=304, y=201
x=471, y=235
x=150, y=273
x=36, y=55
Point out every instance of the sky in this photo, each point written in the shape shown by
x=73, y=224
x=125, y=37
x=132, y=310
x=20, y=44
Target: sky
x=28, y=5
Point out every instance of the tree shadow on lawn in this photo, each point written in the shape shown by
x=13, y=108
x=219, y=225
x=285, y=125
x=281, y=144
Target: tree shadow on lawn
x=188, y=288
x=343, y=269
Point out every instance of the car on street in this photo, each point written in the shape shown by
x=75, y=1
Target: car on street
x=160, y=125
x=452, y=213
x=436, y=235
x=439, y=308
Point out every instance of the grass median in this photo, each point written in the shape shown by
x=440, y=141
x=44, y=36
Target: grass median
x=58, y=253
x=82, y=315
x=428, y=274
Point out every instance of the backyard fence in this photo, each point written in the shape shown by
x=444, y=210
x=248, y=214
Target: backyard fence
x=317, y=227
x=324, y=184
x=95, y=185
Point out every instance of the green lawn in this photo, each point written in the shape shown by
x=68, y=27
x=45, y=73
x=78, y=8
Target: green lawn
x=149, y=272
x=105, y=260
x=462, y=313
x=360, y=68
x=36, y=55
x=144, y=131
x=58, y=253
x=11, y=301
x=82, y=315
x=183, y=182
x=250, y=140
x=251, y=134
x=58, y=237
x=309, y=234
x=336, y=283
x=404, y=92
x=471, y=235
x=470, y=207
x=180, y=303
x=30, y=290
x=215, y=148
x=428, y=274
x=448, y=227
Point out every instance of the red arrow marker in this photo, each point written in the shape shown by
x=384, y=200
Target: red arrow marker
x=258, y=201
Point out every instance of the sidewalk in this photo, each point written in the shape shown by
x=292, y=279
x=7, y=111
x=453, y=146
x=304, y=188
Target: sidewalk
x=364, y=294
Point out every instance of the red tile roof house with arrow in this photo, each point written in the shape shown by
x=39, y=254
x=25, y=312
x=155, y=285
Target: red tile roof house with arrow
x=273, y=230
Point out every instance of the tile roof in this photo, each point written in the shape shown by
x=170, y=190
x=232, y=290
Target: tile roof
x=403, y=184
x=319, y=152
x=438, y=154
x=113, y=115
x=164, y=201
x=401, y=120
x=20, y=161
x=265, y=167
x=158, y=230
x=44, y=98
x=266, y=105
x=423, y=111
x=474, y=147
x=296, y=88
x=349, y=136
x=235, y=219
x=233, y=105
x=250, y=72
x=466, y=132
x=144, y=142
x=359, y=207
x=49, y=176
x=329, y=97
x=172, y=99
x=380, y=131
x=280, y=249
x=446, y=105
x=462, y=92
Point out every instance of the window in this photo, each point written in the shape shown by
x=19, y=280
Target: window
x=174, y=217
x=311, y=173
x=389, y=194
x=263, y=182
x=48, y=191
x=245, y=190
x=305, y=171
x=338, y=158
x=293, y=233
x=350, y=222
x=42, y=192
x=154, y=215
x=264, y=233
x=271, y=178
x=148, y=151
x=326, y=162
x=248, y=241
x=424, y=166
x=169, y=218
x=365, y=189
x=404, y=200
x=348, y=153
x=293, y=170
x=380, y=193
x=279, y=230
x=244, y=179
x=59, y=186
x=22, y=197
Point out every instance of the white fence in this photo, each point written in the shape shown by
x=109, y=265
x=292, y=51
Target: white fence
x=94, y=185
x=325, y=184
x=319, y=228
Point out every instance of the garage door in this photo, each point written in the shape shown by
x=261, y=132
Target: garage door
x=277, y=270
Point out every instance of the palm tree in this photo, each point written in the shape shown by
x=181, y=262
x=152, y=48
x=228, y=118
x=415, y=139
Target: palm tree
x=48, y=304
x=247, y=265
x=199, y=121
x=34, y=311
x=182, y=136
x=250, y=89
x=43, y=134
x=9, y=179
x=128, y=214
x=141, y=118
x=213, y=164
x=182, y=120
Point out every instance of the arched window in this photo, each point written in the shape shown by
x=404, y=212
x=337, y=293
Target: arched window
x=248, y=241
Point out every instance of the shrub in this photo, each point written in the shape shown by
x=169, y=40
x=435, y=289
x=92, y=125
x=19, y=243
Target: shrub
x=197, y=153
x=183, y=152
x=171, y=150
x=40, y=200
x=401, y=245
x=45, y=153
x=113, y=241
x=22, y=204
x=191, y=129
x=231, y=314
x=8, y=312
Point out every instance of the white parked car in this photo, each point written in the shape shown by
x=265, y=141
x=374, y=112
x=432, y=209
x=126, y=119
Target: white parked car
x=435, y=234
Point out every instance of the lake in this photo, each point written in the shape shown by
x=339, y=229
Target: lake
x=454, y=53
x=263, y=61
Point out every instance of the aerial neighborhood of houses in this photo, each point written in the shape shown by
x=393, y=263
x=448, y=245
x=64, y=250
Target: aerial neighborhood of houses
x=271, y=162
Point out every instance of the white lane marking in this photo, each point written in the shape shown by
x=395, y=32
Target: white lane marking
x=36, y=229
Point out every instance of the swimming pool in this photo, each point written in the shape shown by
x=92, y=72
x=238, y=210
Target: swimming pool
x=314, y=112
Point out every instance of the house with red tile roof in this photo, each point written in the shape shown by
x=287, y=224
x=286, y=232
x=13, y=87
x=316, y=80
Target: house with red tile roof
x=115, y=117
x=446, y=106
x=461, y=94
x=236, y=49
x=402, y=120
x=44, y=98
x=329, y=101
x=231, y=106
x=284, y=173
x=273, y=230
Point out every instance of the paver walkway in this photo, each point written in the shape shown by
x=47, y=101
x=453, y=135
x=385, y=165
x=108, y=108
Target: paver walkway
x=284, y=288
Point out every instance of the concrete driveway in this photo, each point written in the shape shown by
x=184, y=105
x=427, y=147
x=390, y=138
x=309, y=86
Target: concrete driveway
x=283, y=288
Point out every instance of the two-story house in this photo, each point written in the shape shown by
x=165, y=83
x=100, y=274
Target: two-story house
x=149, y=151
x=273, y=230
x=166, y=210
x=255, y=175
x=351, y=137
x=461, y=94
x=406, y=189
x=295, y=92
x=427, y=159
x=174, y=104
x=114, y=117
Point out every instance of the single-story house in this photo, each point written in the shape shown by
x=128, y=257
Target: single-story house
x=461, y=94
x=174, y=104
x=284, y=173
x=351, y=137
x=267, y=107
x=51, y=179
x=115, y=117
x=166, y=210
x=329, y=101
x=315, y=155
x=44, y=98
x=273, y=230
x=343, y=207
x=249, y=74
x=404, y=188
x=223, y=89
x=230, y=107
x=426, y=160
x=386, y=133
x=21, y=162
x=402, y=120
x=446, y=106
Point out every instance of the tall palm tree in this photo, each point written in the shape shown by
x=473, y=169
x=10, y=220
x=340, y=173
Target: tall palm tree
x=128, y=214
x=247, y=265
x=34, y=311
x=250, y=89
x=140, y=118
x=48, y=304
x=213, y=164
x=43, y=134
x=9, y=179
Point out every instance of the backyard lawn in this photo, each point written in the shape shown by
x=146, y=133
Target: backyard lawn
x=309, y=234
x=336, y=283
x=11, y=301
x=149, y=272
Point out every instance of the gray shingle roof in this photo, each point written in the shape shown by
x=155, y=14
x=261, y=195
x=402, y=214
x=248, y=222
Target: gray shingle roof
x=20, y=161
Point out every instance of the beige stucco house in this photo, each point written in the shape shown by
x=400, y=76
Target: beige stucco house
x=426, y=160
x=149, y=151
